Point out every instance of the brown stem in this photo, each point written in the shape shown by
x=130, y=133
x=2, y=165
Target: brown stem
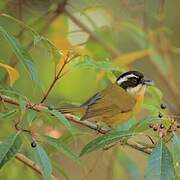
x=57, y=77
x=49, y=90
x=72, y=118
x=28, y=162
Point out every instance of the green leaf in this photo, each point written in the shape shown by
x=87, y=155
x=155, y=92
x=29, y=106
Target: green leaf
x=153, y=102
x=21, y=54
x=31, y=116
x=54, y=51
x=160, y=164
x=143, y=124
x=9, y=147
x=176, y=155
x=61, y=118
x=22, y=105
x=127, y=125
x=4, y=115
x=109, y=138
x=88, y=62
x=43, y=161
x=56, y=143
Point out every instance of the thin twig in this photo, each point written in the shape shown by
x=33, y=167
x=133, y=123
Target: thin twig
x=56, y=78
x=28, y=162
x=72, y=118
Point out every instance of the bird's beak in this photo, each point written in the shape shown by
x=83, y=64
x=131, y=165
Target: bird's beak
x=148, y=82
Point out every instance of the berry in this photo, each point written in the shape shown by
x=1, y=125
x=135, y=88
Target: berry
x=160, y=115
x=155, y=128
x=161, y=126
x=178, y=126
x=163, y=106
x=150, y=125
x=33, y=144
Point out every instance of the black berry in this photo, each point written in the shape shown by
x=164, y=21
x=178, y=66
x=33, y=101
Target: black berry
x=33, y=144
x=161, y=126
x=163, y=106
x=178, y=125
x=155, y=128
x=160, y=115
x=150, y=125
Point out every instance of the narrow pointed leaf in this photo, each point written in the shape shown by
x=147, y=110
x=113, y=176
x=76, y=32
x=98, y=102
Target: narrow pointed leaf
x=7, y=114
x=21, y=53
x=9, y=147
x=56, y=143
x=61, y=118
x=160, y=164
x=106, y=139
x=43, y=161
x=13, y=73
x=176, y=155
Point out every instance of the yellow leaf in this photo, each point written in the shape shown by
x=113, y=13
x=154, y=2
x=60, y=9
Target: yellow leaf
x=128, y=58
x=13, y=74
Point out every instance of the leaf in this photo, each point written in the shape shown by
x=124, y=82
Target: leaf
x=153, y=102
x=160, y=164
x=31, y=116
x=155, y=92
x=22, y=105
x=88, y=62
x=55, y=52
x=4, y=115
x=143, y=124
x=176, y=154
x=9, y=147
x=13, y=73
x=56, y=143
x=125, y=59
x=43, y=161
x=61, y=118
x=109, y=138
x=21, y=54
x=127, y=125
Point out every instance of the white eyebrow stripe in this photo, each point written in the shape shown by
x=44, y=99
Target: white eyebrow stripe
x=125, y=78
x=122, y=80
x=131, y=75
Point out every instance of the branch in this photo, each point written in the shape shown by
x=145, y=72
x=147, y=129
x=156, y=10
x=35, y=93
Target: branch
x=72, y=118
x=56, y=77
x=28, y=162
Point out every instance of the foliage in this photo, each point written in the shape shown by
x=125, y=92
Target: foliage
x=86, y=45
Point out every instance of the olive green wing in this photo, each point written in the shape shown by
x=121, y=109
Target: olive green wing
x=112, y=100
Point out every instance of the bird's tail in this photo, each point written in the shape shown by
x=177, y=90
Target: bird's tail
x=79, y=111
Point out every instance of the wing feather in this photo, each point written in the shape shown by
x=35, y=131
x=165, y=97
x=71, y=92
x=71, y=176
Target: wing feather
x=112, y=100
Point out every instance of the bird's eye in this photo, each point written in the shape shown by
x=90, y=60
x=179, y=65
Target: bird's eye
x=134, y=81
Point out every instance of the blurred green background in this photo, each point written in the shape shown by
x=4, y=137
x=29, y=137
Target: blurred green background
x=139, y=34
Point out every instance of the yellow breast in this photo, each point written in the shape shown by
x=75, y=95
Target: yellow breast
x=121, y=118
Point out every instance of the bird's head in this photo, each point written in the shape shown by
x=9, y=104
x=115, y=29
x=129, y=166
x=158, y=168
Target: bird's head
x=133, y=82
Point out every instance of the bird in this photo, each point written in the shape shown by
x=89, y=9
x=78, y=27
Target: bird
x=116, y=103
